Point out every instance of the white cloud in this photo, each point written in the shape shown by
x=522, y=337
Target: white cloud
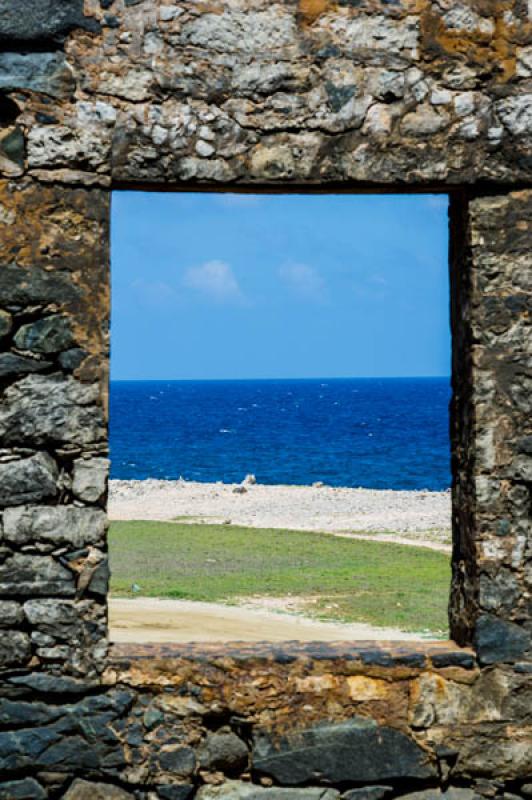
x=216, y=280
x=305, y=280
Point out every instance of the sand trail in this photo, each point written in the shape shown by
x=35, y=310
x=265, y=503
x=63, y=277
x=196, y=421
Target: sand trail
x=153, y=620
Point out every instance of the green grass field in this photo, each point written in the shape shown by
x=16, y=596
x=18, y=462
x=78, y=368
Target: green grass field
x=354, y=580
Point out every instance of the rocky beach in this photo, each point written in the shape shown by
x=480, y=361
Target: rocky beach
x=410, y=517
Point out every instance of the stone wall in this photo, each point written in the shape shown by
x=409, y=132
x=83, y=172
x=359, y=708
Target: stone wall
x=353, y=96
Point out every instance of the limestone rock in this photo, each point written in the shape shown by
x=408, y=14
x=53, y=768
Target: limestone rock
x=85, y=790
x=57, y=618
x=29, y=285
x=26, y=789
x=69, y=525
x=12, y=364
x=223, y=751
x=498, y=640
x=41, y=409
x=28, y=480
x=6, y=323
x=36, y=72
x=238, y=790
x=28, y=21
x=47, y=335
x=179, y=760
x=90, y=478
x=451, y=793
x=24, y=574
x=10, y=613
x=368, y=793
x=15, y=648
x=356, y=750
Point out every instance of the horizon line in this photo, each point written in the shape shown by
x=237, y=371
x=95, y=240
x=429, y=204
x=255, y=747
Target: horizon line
x=309, y=378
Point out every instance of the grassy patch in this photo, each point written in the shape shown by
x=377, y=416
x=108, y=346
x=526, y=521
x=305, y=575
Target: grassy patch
x=348, y=579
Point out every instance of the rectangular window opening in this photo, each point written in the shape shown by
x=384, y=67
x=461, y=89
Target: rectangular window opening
x=279, y=435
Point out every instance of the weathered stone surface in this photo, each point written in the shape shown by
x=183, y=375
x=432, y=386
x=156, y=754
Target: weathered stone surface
x=85, y=790
x=28, y=480
x=179, y=760
x=13, y=364
x=15, y=648
x=90, y=478
x=368, y=793
x=26, y=789
x=36, y=72
x=81, y=735
x=49, y=19
x=23, y=714
x=29, y=285
x=11, y=614
x=498, y=640
x=451, y=793
x=6, y=323
x=224, y=751
x=71, y=359
x=175, y=791
x=51, y=408
x=46, y=335
x=355, y=750
x=236, y=790
x=58, y=618
x=70, y=525
x=23, y=574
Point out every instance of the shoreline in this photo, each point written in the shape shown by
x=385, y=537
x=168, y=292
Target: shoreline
x=421, y=518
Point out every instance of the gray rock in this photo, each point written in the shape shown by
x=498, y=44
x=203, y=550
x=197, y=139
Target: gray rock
x=57, y=618
x=37, y=72
x=57, y=408
x=368, y=793
x=23, y=715
x=51, y=684
x=6, y=323
x=13, y=147
x=12, y=364
x=526, y=790
x=28, y=480
x=357, y=750
x=23, y=574
x=180, y=761
x=47, y=19
x=451, y=793
x=47, y=335
x=10, y=614
x=224, y=751
x=181, y=791
x=497, y=640
x=90, y=478
x=85, y=790
x=238, y=790
x=69, y=525
x=30, y=285
x=71, y=359
x=15, y=648
x=27, y=789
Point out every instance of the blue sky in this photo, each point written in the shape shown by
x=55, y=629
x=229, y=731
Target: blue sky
x=278, y=286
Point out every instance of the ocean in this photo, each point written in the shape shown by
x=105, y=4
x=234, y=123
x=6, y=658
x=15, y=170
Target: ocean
x=389, y=433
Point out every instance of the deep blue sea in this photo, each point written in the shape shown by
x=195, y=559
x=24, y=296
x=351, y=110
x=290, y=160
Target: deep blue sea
x=375, y=433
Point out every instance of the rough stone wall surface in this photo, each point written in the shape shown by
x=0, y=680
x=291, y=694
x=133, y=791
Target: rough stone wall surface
x=351, y=95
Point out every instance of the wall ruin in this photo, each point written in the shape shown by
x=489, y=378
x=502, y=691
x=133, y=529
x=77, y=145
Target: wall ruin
x=410, y=95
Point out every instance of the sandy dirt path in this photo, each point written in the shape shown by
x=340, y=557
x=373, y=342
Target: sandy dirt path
x=154, y=620
x=421, y=518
